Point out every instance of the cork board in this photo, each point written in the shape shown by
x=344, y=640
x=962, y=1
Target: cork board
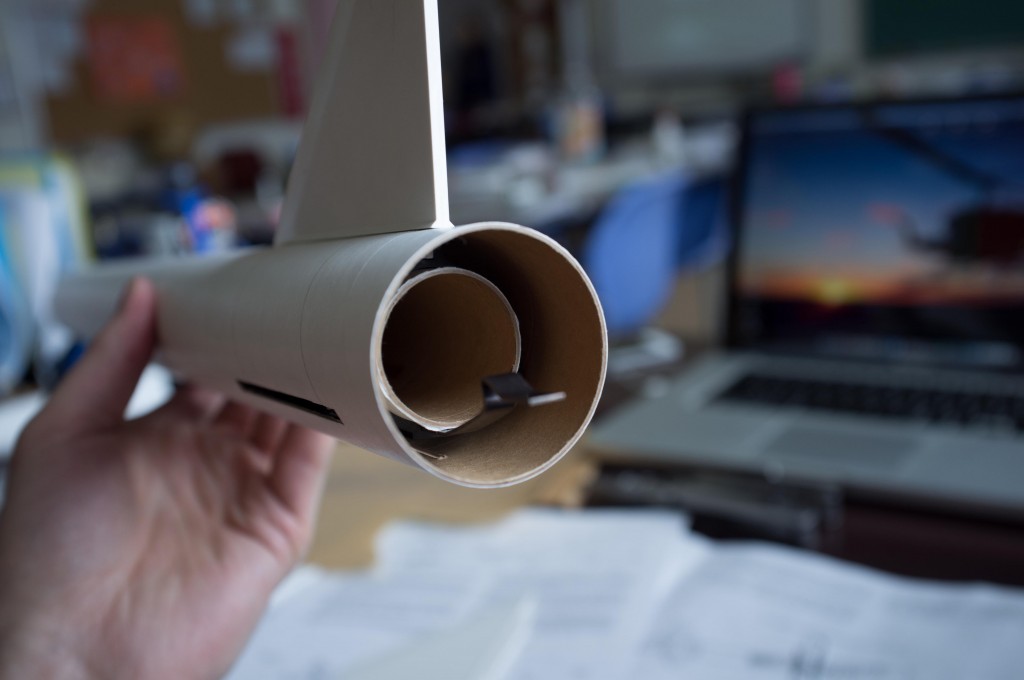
x=211, y=91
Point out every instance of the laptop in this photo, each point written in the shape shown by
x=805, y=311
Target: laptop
x=875, y=325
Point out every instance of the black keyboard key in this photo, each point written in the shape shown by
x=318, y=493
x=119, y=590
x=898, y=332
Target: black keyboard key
x=997, y=412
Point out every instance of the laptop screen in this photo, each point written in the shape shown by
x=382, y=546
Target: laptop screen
x=889, y=232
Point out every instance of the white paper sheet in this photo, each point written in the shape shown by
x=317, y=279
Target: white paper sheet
x=252, y=49
x=201, y=13
x=596, y=577
x=593, y=580
x=337, y=622
x=762, y=612
x=627, y=595
x=484, y=647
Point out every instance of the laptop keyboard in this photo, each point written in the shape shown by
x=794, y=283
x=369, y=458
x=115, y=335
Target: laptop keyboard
x=965, y=409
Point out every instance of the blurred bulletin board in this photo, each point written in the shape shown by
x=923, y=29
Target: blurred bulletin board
x=135, y=60
x=189, y=77
x=898, y=27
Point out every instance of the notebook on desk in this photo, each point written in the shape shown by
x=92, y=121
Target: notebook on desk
x=876, y=309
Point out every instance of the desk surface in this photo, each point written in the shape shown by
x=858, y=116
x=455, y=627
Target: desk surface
x=364, y=492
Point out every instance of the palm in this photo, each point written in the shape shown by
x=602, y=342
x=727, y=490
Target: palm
x=165, y=534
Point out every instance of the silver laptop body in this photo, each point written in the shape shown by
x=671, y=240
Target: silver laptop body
x=879, y=344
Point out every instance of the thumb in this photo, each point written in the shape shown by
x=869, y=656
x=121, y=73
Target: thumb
x=95, y=393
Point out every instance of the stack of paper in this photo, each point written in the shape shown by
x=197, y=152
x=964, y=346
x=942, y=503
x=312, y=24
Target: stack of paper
x=590, y=582
x=763, y=612
x=609, y=595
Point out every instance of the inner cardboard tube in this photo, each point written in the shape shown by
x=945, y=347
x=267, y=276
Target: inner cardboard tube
x=447, y=329
x=564, y=349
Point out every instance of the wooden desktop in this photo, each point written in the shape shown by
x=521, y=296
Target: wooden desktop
x=364, y=492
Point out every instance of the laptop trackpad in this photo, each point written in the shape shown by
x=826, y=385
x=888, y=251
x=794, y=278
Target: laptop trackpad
x=840, y=448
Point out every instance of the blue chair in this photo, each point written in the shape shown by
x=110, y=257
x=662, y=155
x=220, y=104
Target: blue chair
x=647, y=234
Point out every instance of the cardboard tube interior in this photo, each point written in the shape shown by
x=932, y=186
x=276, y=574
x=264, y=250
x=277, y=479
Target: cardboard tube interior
x=447, y=329
x=563, y=350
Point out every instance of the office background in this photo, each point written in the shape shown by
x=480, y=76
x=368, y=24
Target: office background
x=168, y=128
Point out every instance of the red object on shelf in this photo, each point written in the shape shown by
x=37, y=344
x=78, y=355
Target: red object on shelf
x=289, y=73
x=788, y=84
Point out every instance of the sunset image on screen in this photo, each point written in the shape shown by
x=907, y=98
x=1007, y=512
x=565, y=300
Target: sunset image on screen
x=883, y=217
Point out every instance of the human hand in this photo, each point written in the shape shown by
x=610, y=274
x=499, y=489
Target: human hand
x=147, y=549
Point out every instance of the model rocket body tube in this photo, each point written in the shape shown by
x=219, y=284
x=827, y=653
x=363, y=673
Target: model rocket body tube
x=352, y=337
